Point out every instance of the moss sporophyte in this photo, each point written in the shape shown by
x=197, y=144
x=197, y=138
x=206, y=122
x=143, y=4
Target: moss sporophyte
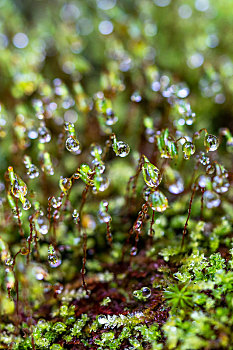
x=116, y=175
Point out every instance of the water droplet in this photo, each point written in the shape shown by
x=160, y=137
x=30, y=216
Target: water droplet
x=176, y=183
x=137, y=294
x=9, y=262
x=42, y=224
x=211, y=142
x=203, y=159
x=26, y=204
x=33, y=172
x=136, y=97
x=19, y=191
x=102, y=320
x=101, y=183
x=210, y=169
x=76, y=216
x=151, y=174
x=188, y=149
x=65, y=184
x=99, y=165
x=203, y=181
x=104, y=217
x=73, y=145
x=146, y=292
x=121, y=149
x=96, y=150
x=53, y=257
x=220, y=184
x=133, y=251
x=211, y=199
x=44, y=134
x=158, y=201
x=56, y=202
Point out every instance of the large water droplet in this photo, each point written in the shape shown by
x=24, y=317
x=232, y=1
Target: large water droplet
x=151, y=174
x=211, y=142
x=211, y=199
x=158, y=201
x=188, y=149
x=73, y=145
x=121, y=149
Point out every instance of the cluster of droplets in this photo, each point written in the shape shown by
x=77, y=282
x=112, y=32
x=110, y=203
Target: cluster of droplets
x=101, y=182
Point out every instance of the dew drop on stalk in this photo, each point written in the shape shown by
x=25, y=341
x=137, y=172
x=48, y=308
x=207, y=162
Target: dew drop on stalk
x=99, y=165
x=203, y=158
x=9, y=262
x=73, y=145
x=43, y=225
x=26, y=204
x=188, y=149
x=44, y=134
x=133, y=251
x=16, y=214
x=210, y=169
x=96, y=150
x=110, y=118
x=33, y=172
x=220, y=183
x=158, y=201
x=76, y=216
x=211, y=199
x=56, y=202
x=53, y=257
x=65, y=184
x=203, y=181
x=211, y=142
x=177, y=185
x=122, y=149
x=151, y=174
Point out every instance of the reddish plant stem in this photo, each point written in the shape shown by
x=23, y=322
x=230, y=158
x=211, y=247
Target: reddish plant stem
x=84, y=262
x=19, y=220
x=189, y=213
